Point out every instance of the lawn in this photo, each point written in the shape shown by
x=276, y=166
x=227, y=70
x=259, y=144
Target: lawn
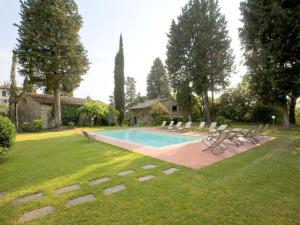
x=261, y=186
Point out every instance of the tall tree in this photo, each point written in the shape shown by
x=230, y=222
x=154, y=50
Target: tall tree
x=270, y=36
x=13, y=95
x=130, y=92
x=199, y=52
x=157, y=81
x=49, y=48
x=28, y=86
x=119, y=94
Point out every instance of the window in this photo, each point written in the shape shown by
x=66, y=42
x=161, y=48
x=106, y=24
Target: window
x=174, y=108
x=4, y=93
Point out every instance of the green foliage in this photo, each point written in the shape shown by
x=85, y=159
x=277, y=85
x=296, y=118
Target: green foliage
x=94, y=109
x=119, y=94
x=130, y=95
x=270, y=36
x=198, y=50
x=7, y=135
x=26, y=127
x=235, y=103
x=159, y=119
x=49, y=49
x=158, y=109
x=37, y=125
x=71, y=125
x=157, y=81
x=298, y=116
x=70, y=114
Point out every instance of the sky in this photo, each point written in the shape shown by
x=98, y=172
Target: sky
x=144, y=25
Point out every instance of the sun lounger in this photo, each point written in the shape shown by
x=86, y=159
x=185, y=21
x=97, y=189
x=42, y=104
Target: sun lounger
x=170, y=125
x=186, y=127
x=88, y=136
x=213, y=126
x=177, y=126
x=201, y=125
x=163, y=124
x=216, y=145
x=220, y=129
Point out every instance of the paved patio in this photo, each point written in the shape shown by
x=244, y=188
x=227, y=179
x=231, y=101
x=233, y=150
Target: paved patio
x=187, y=154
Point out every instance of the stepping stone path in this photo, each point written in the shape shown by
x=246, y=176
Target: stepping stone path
x=149, y=166
x=66, y=189
x=80, y=200
x=99, y=181
x=145, y=178
x=125, y=173
x=36, y=213
x=113, y=189
x=27, y=198
x=2, y=194
x=170, y=170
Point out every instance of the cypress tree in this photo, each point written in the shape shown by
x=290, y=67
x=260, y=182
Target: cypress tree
x=13, y=95
x=119, y=93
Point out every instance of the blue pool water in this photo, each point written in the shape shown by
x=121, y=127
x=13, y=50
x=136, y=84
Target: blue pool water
x=149, y=138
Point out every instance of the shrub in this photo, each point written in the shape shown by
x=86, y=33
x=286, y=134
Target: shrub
x=158, y=109
x=159, y=119
x=69, y=114
x=71, y=125
x=7, y=135
x=220, y=120
x=37, y=125
x=26, y=127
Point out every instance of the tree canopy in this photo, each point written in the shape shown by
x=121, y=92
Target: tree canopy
x=49, y=49
x=157, y=81
x=198, y=50
x=130, y=92
x=270, y=37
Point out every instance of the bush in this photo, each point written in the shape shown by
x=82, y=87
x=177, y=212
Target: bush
x=71, y=125
x=69, y=114
x=7, y=135
x=37, y=125
x=220, y=120
x=26, y=127
x=159, y=119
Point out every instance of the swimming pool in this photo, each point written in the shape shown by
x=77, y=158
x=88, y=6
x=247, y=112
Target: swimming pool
x=149, y=138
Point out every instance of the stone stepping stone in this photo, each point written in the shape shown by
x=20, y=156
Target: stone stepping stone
x=80, y=200
x=2, y=194
x=27, y=198
x=99, y=181
x=113, y=189
x=66, y=189
x=42, y=212
x=145, y=178
x=125, y=173
x=149, y=166
x=170, y=170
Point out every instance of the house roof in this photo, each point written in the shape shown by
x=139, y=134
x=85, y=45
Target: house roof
x=143, y=105
x=49, y=99
x=148, y=103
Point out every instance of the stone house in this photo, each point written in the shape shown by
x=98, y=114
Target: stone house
x=33, y=106
x=141, y=110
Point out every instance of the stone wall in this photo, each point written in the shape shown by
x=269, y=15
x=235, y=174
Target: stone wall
x=28, y=110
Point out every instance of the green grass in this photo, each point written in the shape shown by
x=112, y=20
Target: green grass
x=261, y=186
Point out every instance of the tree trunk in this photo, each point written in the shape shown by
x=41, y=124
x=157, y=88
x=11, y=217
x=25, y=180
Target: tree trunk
x=212, y=103
x=292, y=109
x=57, y=107
x=206, y=107
x=285, y=119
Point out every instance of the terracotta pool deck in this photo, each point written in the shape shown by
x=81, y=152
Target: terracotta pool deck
x=188, y=154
